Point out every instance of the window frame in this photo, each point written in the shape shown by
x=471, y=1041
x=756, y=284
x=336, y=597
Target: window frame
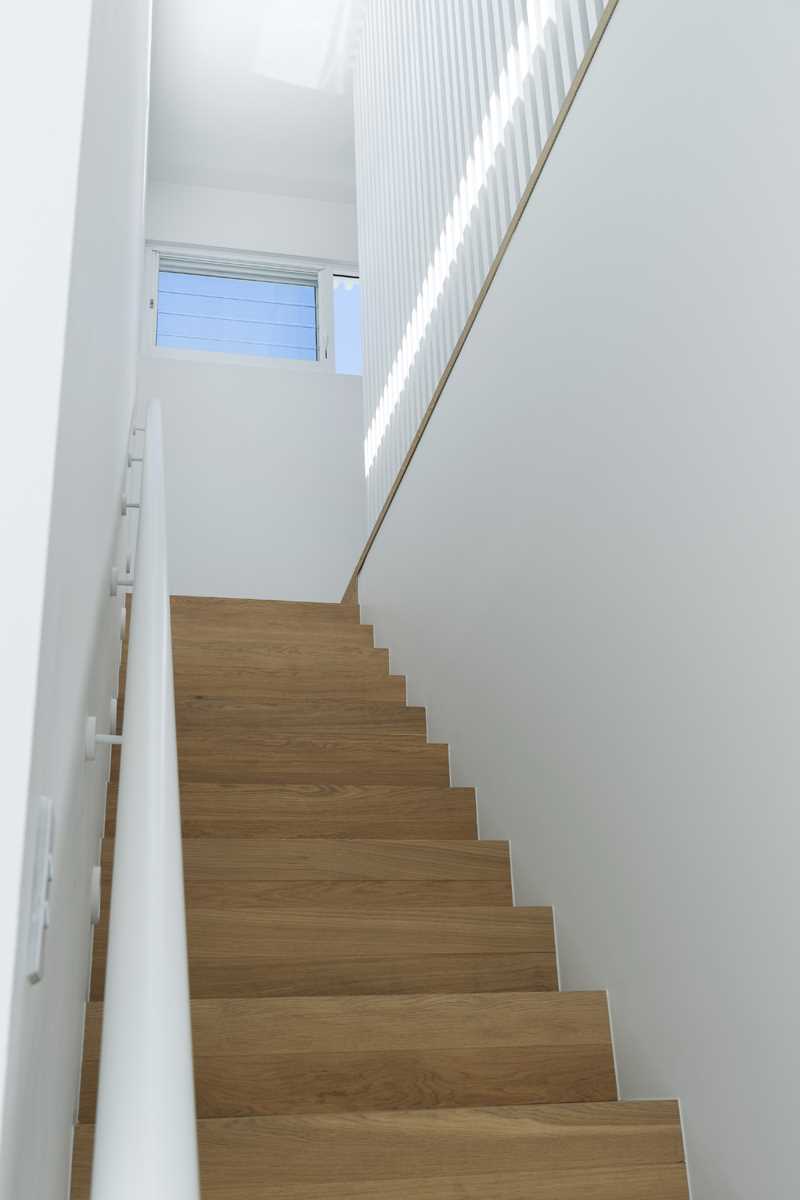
x=283, y=266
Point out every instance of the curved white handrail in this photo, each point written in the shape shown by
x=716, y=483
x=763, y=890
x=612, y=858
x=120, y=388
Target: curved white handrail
x=146, y=1135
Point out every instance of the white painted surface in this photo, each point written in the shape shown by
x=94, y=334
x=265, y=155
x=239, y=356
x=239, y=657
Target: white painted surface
x=593, y=579
x=145, y=1140
x=236, y=220
x=265, y=495
x=68, y=372
x=453, y=104
x=220, y=121
x=47, y=145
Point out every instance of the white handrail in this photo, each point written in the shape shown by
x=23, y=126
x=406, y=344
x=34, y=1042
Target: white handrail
x=146, y=1135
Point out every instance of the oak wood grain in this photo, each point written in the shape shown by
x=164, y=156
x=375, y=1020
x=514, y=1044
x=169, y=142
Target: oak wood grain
x=226, y=717
x=274, y=860
x=336, y=1054
x=223, y=609
x=286, y=679
x=293, y=758
x=371, y=1015
x=364, y=894
x=322, y=810
x=392, y=974
x=562, y=1149
x=360, y=1024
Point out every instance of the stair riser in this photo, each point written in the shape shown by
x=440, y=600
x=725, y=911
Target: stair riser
x=397, y=975
x=308, y=859
x=264, y=1085
x=356, y=895
x=298, y=811
x=303, y=760
x=211, y=716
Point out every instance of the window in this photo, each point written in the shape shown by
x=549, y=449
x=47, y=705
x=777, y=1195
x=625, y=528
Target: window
x=347, y=324
x=236, y=308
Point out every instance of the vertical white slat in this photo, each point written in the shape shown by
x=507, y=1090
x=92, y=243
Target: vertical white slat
x=485, y=87
x=464, y=91
x=541, y=84
x=472, y=71
x=505, y=40
x=446, y=310
x=491, y=107
x=594, y=11
x=552, y=52
x=421, y=374
x=388, y=165
x=580, y=27
x=512, y=53
x=366, y=190
x=416, y=256
x=504, y=91
x=439, y=323
x=459, y=284
x=529, y=114
x=424, y=207
x=381, y=143
x=566, y=41
x=397, y=201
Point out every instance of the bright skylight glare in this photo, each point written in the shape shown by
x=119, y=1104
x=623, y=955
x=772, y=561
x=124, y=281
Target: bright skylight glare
x=309, y=43
x=510, y=89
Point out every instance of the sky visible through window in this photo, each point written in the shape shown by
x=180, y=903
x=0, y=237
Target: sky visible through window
x=347, y=324
x=237, y=316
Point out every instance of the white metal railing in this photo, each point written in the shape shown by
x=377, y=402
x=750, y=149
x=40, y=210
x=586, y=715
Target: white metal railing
x=146, y=1135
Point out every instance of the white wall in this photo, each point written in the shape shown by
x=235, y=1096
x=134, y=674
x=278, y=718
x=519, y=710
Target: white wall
x=265, y=487
x=593, y=581
x=290, y=225
x=454, y=103
x=265, y=494
x=68, y=378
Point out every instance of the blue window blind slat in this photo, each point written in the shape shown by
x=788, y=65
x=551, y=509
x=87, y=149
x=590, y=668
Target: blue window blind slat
x=238, y=331
x=265, y=312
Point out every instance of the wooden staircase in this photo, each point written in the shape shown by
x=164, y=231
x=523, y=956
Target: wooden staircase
x=373, y=1018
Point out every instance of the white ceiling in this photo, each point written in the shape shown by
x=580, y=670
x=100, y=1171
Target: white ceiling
x=221, y=118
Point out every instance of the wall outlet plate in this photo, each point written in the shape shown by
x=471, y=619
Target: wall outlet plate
x=40, y=892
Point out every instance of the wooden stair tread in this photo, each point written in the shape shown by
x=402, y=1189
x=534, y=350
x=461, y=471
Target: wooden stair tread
x=319, y=951
x=563, y=1149
x=258, y=1057
x=223, y=609
x=322, y=810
